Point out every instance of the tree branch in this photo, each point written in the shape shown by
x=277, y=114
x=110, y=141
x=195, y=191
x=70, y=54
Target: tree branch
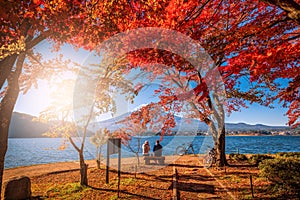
x=289, y=6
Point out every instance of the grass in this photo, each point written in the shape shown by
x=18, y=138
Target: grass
x=69, y=191
x=123, y=182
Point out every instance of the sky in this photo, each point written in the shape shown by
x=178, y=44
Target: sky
x=36, y=100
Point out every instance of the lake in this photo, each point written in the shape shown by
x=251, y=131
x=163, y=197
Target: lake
x=31, y=151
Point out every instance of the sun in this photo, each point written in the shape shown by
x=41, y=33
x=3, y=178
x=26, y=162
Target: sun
x=35, y=100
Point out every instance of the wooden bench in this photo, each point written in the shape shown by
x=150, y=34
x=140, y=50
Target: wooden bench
x=160, y=159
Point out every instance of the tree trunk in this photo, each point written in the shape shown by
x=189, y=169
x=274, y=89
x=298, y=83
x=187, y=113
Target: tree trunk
x=138, y=158
x=220, y=149
x=98, y=161
x=5, y=67
x=98, y=156
x=6, y=109
x=83, y=170
x=83, y=166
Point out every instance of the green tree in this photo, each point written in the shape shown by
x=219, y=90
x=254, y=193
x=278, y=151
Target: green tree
x=99, y=139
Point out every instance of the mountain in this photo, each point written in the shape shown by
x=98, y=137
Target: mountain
x=182, y=124
x=23, y=126
x=257, y=127
x=188, y=125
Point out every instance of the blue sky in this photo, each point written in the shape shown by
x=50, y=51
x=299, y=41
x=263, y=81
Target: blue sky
x=37, y=99
x=254, y=114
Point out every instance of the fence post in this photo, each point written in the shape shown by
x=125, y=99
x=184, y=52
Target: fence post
x=251, y=185
x=175, y=185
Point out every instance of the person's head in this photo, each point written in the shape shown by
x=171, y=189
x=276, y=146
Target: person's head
x=157, y=141
x=146, y=142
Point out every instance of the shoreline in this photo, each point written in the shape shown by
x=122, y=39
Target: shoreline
x=114, y=160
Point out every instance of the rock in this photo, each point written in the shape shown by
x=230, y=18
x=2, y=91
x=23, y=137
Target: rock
x=17, y=188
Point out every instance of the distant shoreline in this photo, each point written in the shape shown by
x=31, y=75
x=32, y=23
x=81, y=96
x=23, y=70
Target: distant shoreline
x=260, y=135
x=156, y=135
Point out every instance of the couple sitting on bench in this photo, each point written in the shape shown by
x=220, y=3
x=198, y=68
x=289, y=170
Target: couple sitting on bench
x=157, y=150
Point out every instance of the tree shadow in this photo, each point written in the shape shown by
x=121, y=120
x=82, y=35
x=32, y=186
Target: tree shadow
x=185, y=166
x=196, y=177
x=122, y=191
x=155, y=177
x=37, y=198
x=185, y=183
x=196, y=187
x=242, y=165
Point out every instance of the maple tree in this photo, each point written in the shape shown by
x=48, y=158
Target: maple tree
x=252, y=43
x=24, y=25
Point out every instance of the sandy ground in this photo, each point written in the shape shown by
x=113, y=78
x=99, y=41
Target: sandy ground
x=127, y=164
x=37, y=170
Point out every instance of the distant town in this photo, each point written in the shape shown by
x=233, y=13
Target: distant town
x=264, y=132
x=242, y=133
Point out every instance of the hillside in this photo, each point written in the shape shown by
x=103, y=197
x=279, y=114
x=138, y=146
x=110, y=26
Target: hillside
x=23, y=126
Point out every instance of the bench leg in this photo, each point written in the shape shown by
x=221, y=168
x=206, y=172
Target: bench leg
x=161, y=162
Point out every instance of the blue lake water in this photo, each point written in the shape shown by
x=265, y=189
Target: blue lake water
x=30, y=151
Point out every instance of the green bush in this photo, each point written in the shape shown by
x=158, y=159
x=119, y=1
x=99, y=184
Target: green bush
x=257, y=158
x=288, y=154
x=237, y=157
x=284, y=175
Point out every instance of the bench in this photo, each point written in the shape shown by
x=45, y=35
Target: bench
x=159, y=159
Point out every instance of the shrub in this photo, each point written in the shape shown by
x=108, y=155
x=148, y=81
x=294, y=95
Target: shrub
x=284, y=175
x=257, y=158
x=67, y=191
x=288, y=154
x=237, y=157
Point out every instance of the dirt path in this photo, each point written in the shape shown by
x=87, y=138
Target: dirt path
x=37, y=170
x=198, y=182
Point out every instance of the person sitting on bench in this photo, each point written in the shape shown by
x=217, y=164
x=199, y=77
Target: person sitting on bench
x=157, y=149
x=146, y=148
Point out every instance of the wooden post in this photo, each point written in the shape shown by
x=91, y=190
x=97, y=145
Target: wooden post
x=107, y=165
x=175, y=185
x=251, y=185
x=119, y=168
